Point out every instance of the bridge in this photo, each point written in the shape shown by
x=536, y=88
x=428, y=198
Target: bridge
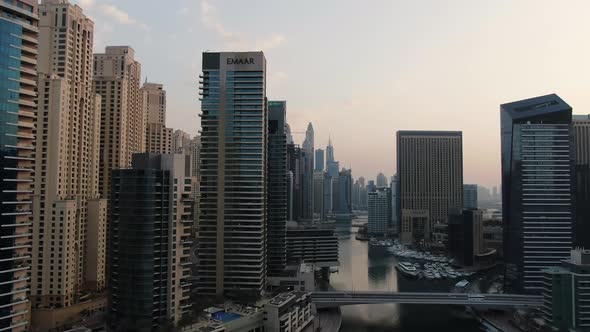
x=339, y=298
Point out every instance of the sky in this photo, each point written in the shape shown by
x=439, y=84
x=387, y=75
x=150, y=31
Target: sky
x=361, y=70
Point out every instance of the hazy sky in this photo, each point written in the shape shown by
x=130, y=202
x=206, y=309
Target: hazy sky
x=361, y=70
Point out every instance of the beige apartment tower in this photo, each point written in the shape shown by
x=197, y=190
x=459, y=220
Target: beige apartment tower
x=69, y=214
x=18, y=60
x=153, y=102
x=430, y=172
x=123, y=121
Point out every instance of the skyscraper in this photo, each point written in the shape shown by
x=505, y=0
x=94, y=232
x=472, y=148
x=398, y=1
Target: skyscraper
x=319, y=160
x=381, y=181
x=318, y=195
x=342, y=193
x=582, y=135
x=149, y=261
x=537, y=188
x=295, y=166
x=277, y=187
x=430, y=172
x=232, y=231
x=332, y=166
x=123, y=123
x=308, y=166
x=180, y=142
x=69, y=219
x=153, y=101
x=380, y=212
x=470, y=196
x=18, y=60
x=395, y=205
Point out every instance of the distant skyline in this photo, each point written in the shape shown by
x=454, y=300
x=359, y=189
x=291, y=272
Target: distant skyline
x=360, y=73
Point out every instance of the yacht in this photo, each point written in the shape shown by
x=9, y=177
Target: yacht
x=407, y=269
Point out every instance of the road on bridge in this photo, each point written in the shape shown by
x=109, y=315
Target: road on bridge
x=339, y=298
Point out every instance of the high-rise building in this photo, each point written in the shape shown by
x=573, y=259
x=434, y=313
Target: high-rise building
x=356, y=195
x=232, y=230
x=318, y=195
x=565, y=295
x=342, y=193
x=149, y=252
x=380, y=212
x=381, y=181
x=395, y=204
x=181, y=142
x=295, y=165
x=18, y=60
x=319, y=160
x=465, y=235
x=430, y=172
x=308, y=166
x=277, y=187
x=332, y=166
x=123, y=123
x=153, y=101
x=470, y=196
x=159, y=139
x=582, y=136
x=69, y=219
x=537, y=189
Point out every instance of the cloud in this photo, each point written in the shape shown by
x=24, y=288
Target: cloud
x=273, y=42
x=210, y=20
x=184, y=11
x=86, y=4
x=231, y=39
x=121, y=16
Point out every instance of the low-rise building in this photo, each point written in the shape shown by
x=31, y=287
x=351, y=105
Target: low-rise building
x=289, y=312
x=295, y=277
x=566, y=295
x=312, y=245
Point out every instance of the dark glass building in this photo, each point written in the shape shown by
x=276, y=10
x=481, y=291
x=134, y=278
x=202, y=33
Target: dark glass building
x=233, y=204
x=149, y=231
x=537, y=189
x=582, y=134
x=295, y=164
x=319, y=160
x=18, y=80
x=277, y=187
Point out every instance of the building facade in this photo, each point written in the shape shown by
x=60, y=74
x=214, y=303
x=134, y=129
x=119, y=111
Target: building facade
x=430, y=173
x=312, y=245
x=69, y=219
x=158, y=139
x=307, y=176
x=466, y=235
x=319, y=160
x=123, y=124
x=565, y=293
x=581, y=125
x=277, y=187
x=318, y=196
x=150, y=228
x=18, y=60
x=537, y=189
x=233, y=205
x=381, y=181
x=380, y=212
x=470, y=196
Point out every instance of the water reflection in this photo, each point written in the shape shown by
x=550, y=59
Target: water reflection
x=364, y=267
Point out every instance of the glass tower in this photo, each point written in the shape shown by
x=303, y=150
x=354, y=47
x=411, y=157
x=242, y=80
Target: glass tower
x=18, y=81
x=277, y=187
x=232, y=233
x=537, y=187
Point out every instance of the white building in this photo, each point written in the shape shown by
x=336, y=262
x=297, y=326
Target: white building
x=379, y=202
